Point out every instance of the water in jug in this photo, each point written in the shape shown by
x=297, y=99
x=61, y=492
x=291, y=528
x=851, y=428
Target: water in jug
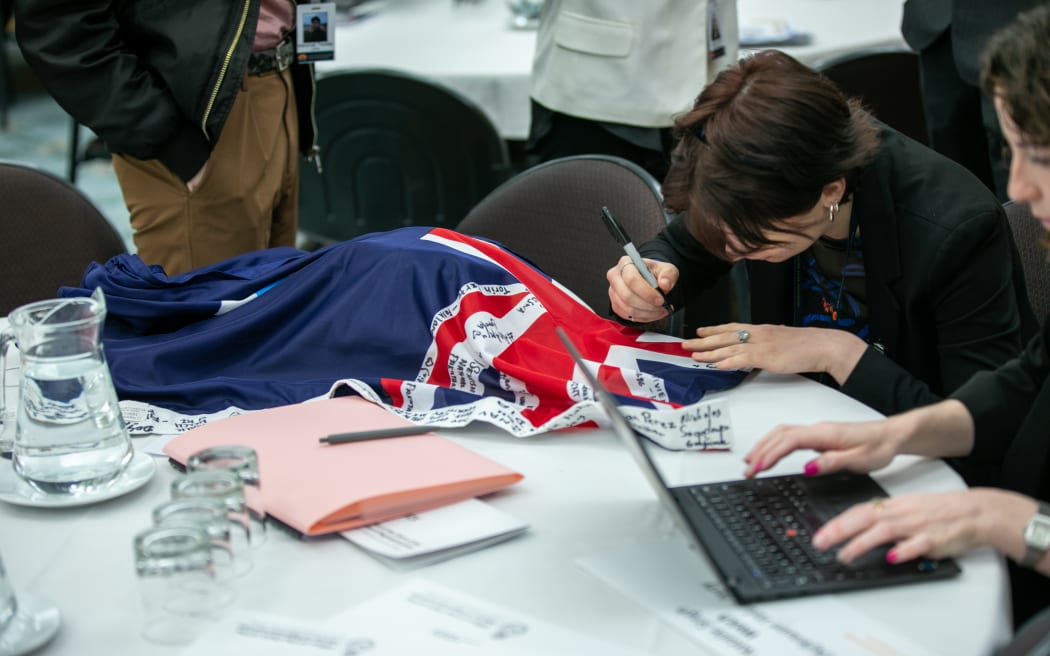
x=69, y=435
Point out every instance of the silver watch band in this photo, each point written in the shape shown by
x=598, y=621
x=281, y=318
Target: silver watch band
x=1031, y=554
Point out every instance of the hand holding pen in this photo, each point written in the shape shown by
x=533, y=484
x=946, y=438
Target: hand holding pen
x=620, y=235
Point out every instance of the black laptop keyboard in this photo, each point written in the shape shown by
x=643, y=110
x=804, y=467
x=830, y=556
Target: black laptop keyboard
x=770, y=524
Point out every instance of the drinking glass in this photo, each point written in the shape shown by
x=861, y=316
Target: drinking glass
x=244, y=462
x=241, y=460
x=224, y=487
x=525, y=14
x=228, y=543
x=7, y=406
x=69, y=435
x=181, y=595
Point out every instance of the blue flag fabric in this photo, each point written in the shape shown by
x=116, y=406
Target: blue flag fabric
x=418, y=319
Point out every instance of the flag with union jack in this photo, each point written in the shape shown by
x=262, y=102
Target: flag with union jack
x=440, y=327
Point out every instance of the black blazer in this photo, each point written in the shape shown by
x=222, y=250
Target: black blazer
x=945, y=289
x=1011, y=413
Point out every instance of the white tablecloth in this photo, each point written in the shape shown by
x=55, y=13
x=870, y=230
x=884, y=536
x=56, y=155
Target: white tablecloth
x=582, y=495
x=472, y=48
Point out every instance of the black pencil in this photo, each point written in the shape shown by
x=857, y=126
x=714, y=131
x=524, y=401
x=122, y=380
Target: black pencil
x=378, y=434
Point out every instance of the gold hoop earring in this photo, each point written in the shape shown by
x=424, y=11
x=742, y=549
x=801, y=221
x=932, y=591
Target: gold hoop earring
x=833, y=209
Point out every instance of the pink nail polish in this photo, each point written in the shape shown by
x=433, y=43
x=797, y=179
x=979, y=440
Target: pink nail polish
x=891, y=557
x=811, y=468
x=759, y=466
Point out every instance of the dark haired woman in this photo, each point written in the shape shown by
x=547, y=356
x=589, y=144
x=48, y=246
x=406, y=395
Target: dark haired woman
x=999, y=418
x=871, y=259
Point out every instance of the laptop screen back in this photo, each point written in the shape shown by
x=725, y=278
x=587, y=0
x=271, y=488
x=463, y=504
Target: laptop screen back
x=630, y=438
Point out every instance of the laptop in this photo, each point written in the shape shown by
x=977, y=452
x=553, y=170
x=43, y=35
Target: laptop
x=757, y=532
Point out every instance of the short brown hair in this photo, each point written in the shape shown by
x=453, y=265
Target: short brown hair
x=1015, y=66
x=758, y=147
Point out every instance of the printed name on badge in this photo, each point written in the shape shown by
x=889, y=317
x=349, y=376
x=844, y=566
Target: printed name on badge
x=716, y=45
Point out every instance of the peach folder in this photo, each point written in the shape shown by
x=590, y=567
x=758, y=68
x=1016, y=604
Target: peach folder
x=317, y=488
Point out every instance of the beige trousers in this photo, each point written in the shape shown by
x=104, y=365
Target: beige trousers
x=247, y=198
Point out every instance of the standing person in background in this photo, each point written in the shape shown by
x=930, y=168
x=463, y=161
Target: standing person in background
x=960, y=119
x=199, y=103
x=998, y=418
x=608, y=77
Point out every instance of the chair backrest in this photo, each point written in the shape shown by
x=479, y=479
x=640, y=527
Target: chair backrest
x=396, y=151
x=887, y=81
x=551, y=214
x=51, y=232
x=1031, y=639
x=1030, y=236
x=7, y=82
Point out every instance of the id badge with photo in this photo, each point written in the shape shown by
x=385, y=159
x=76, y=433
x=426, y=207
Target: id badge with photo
x=716, y=44
x=314, y=32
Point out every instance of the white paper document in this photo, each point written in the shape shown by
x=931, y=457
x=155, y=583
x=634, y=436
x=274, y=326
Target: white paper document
x=668, y=578
x=419, y=617
x=771, y=32
x=443, y=618
x=435, y=535
x=260, y=634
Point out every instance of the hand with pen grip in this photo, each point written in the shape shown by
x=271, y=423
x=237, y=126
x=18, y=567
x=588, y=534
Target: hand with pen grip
x=634, y=259
x=632, y=297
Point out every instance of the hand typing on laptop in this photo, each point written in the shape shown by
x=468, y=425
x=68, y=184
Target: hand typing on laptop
x=930, y=525
x=933, y=525
x=757, y=534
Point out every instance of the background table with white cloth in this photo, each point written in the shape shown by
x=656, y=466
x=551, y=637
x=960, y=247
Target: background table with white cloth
x=471, y=46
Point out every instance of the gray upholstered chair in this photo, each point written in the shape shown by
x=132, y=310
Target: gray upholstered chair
x=551, y=215
x=396, y=151
x=51, y=233
x=887, y=81
x=1030, y=236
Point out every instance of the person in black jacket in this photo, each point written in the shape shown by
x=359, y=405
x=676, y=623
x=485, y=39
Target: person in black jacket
x=998, y=418
x=201, y=104
x=872, y=260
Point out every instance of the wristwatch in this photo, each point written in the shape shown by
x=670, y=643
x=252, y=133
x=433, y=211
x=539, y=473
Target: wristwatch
x=1037, y=535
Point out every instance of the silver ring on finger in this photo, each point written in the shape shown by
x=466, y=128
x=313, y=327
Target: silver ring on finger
x=742, y=336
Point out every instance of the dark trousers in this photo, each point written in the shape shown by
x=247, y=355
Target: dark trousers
x=960, y=119
x=555, y=135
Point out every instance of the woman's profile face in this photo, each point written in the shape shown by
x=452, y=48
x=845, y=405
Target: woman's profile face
x=1029, y=168
x=809, y=228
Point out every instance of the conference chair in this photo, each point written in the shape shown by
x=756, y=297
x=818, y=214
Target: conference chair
x=7, y=83
x=1029, y=236
x=94, y=149
x=396, y=150
x=551, y=215
x=51, y=232
x=1031, y=639
x=887, y=82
